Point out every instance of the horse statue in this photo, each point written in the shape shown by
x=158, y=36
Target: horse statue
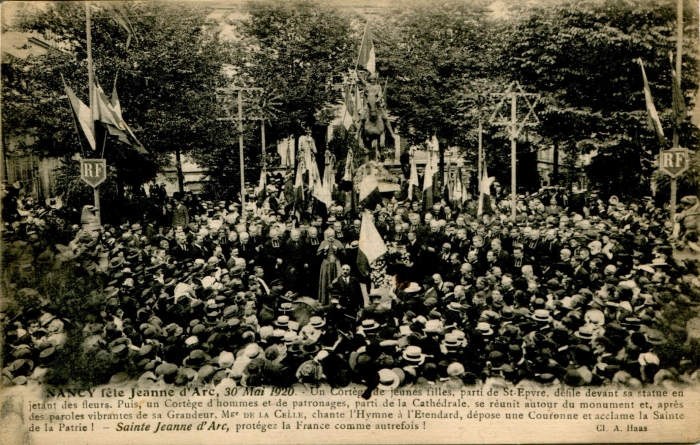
x=374, y=121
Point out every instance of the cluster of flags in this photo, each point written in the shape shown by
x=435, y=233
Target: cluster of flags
x=107, y=112
x=367, y=60
x=679, y=109
x=308, y=175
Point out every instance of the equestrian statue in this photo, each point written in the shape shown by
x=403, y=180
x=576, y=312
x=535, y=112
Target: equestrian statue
x=374, y=119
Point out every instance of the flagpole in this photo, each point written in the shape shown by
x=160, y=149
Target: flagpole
x=679, y=64
x=262, y=136
x=91, y=87
x=240, y=146
x=480, y=155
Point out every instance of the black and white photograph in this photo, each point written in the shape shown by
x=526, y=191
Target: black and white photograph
x=350, y=221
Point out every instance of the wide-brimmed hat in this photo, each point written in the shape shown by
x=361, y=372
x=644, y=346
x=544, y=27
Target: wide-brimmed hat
x=252, y=351
x=369, y=325
x=290, y=337
x=484, y=328
x=507, y=313
x=196, y=359
x=433, y=326
x=584, y=333
x=286, y=307
x=414, y=354
x=116, y=262
x=317, y=322
x=282, y=321
x=451, y=341
x=388, y=380
x=655, y=337
x=461, y=336
x=541, y=315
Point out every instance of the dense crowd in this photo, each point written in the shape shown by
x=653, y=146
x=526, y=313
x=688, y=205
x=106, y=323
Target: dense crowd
x=576, y=290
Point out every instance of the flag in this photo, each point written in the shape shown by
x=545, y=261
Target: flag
x=116, y=106
x=679, y=110
x=109, y=113
x=431, y=169
x=652, y=115
x=119, y=14
x=83, y=114
x=262, y=183
x=347, y=174
x=105, y=111
x=459, y=194
x=369, y=195
x=371, y=245
x=367, y=57
x=325, y=193
x=349, y=109
x=447, y=182
x=485, y=194
x=299, y=185
x=428, y=174
x=413, y=178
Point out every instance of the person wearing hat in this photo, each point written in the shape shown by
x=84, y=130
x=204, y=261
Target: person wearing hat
x=180, y=213
x=331, y=250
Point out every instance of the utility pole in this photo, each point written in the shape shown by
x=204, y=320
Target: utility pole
x=92, y=104
x=679, y=64
x=240, y=91
x=515, y=126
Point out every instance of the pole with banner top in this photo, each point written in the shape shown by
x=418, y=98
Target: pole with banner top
x=515, y=126
x=239, y=118
x=90, y=168
x=679, y=64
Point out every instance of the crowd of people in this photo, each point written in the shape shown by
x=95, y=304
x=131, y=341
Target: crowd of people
x=202, y=293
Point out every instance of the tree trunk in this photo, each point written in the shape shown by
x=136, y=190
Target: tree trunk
x=178, y=166
x=441, y=173
x=555, y=162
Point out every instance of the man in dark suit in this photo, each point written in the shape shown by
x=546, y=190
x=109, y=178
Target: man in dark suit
x=461, y=243
x=580, y=274
x=516, y=262
x=182, y=251
x=297, y=262
x=413, y=247
x=348, y=290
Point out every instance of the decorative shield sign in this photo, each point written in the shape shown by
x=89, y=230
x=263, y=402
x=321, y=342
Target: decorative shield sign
x=674, y=162
x=93, y=171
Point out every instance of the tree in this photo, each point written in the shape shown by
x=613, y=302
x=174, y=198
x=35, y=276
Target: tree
x=292, y=49
x=166, y=82
x=581, y=57
x=434, y=56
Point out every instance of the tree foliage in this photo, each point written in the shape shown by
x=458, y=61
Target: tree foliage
x=582, y=58
x=166, y=81
x=439, y=62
